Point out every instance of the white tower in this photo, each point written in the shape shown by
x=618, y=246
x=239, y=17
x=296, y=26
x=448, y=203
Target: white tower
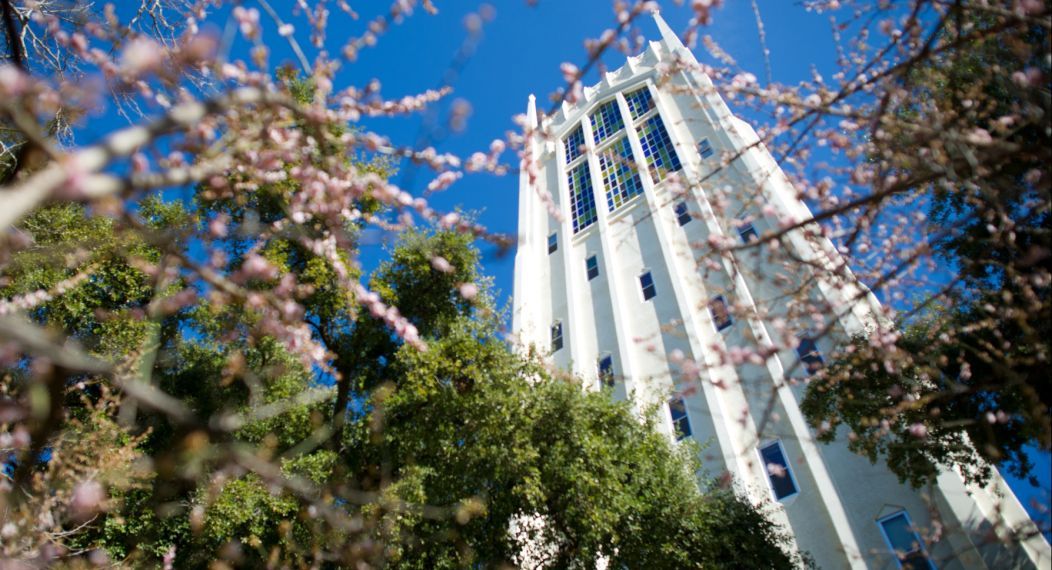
x=620, y=196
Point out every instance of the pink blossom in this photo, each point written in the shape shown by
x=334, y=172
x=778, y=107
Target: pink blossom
x=141, y=55
x=88, y=497
x=469, y=291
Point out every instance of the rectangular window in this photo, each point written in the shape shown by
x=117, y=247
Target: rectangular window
x=606, y=370
x=683, y=214
x=783, y=484
x=747, y=232
x=646, y=282
x=620, y=175
x=657, y=148
x=705, y=148
x=721, y=314
x=591, y=266
x=905, y=542
x=809, y=354
x=639, y=102
x=678, y=408
x=553, y=243
x=606, y=121
x=574, y=144
x=582, y=199
x=557, y=336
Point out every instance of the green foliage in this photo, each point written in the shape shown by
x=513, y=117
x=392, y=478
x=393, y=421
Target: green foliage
x=958, y=396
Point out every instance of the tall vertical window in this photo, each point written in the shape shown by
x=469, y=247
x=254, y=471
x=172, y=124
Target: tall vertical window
x=591, y=266
x=606, y=120
x=620, y=176
x=657, y=148
x=605, y=365
x=553, y=243
x=809, y=354
x=557, y=336
x=678, y=408
x=639, y=102
x=705, y=148
x=683, y=213
x=905, y=542
x=646, y=283
x=582, y=199
x=747, y=232
x=783, y=484
x=574, y=144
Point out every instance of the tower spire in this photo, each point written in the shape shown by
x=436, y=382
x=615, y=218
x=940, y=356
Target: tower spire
x=531, y=112
x=667, y=35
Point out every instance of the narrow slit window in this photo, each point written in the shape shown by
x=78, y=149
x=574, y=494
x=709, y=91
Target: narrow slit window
x=582, y=198
x=557, y=336
x=646, y=283
x=591, y=266
x=904, y=542
x=678, y=408
x=747, y=232
x=705, y=148
x=783, y=484
x=683, y=213
x=809, y=354
x=553, y=243
x=606, y=370
x=721, y=313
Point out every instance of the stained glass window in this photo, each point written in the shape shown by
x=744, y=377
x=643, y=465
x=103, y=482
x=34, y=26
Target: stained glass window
x=606, y=121
x=582, y=198
x=574, y=144
x=639, y=102
x=620, y=175
x=657, y=148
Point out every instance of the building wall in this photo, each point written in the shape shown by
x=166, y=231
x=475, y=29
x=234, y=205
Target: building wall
x=733, y=409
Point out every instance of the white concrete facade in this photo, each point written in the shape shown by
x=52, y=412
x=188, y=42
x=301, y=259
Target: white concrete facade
x=843, y=507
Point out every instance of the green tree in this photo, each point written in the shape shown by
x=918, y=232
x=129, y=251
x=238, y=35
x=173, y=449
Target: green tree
x=967, y=377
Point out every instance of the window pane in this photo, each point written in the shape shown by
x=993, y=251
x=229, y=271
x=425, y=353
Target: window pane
x=657, y=148
x=620, y=176
x=683, y=214
x=747, y=232
x=592, y=266
x=582, y=199
x=606, y=121
x=646, y=281
x=678, y=408
x=778, y=472
x=553, y=243
x=639, y=102
x=557, y=336
x=705, y=148
x=574, y=144
x=906, y=542
x=606, y=370
x=810, y=355
x=721, y=315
